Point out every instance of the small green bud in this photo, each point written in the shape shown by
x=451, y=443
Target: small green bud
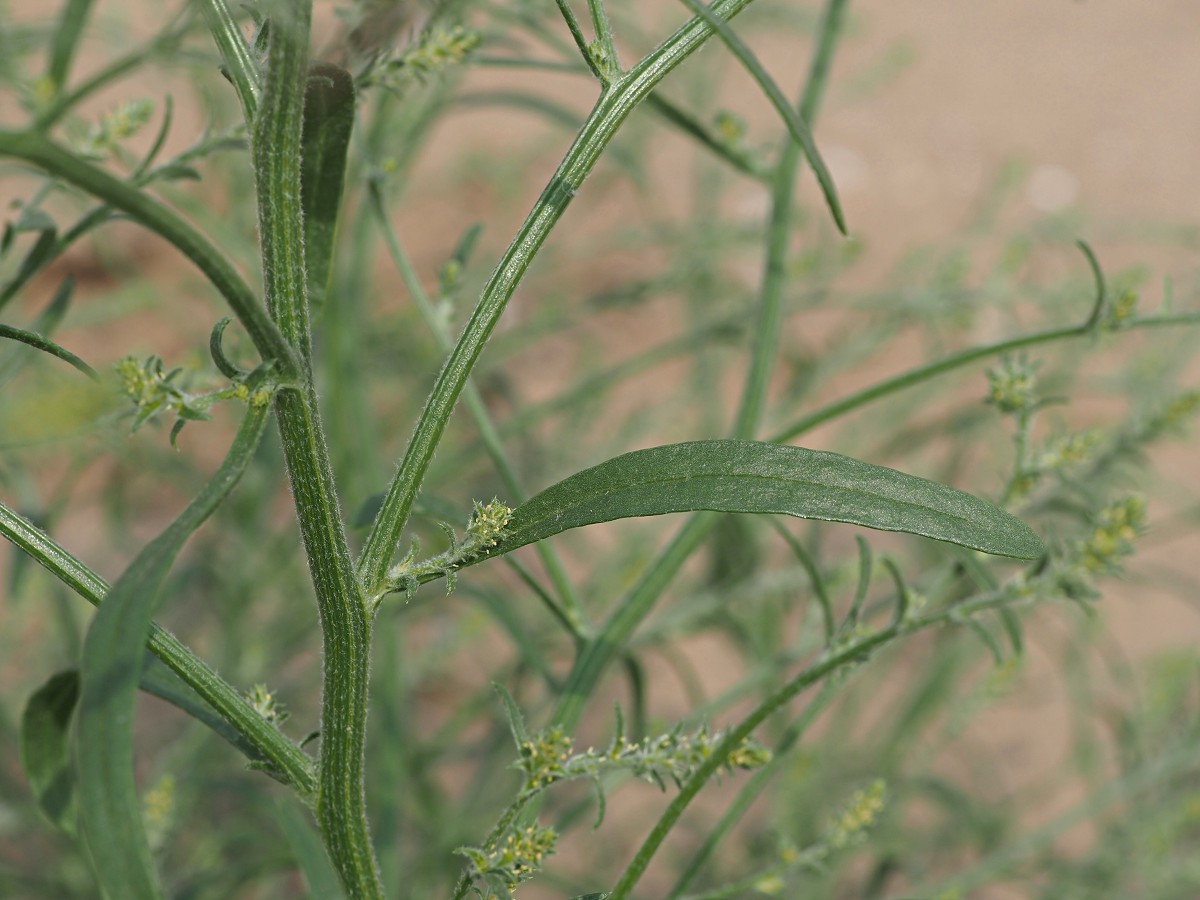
x=1011, y=386
x=859, y=815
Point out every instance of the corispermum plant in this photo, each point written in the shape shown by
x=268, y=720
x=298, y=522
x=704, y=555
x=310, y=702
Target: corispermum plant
x=459, y=780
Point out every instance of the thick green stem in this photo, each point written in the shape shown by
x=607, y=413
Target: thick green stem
x=345, y=622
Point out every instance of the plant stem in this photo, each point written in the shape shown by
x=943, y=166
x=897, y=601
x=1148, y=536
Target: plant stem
x=616, y=101
x=345, y=622
x=928, y=372
x=810, y=676
x=568, y=608
x=597, y=655
x=240, y=67
x=779, y=234
x=751, y=790
x=144, y=209
x=66, y=40
x=63, y=103
x=604, y=34
x=260, y=734
x=858, y=651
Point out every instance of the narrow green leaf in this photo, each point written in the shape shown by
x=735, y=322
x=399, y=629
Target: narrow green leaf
x=1098, y=274
x=160, y=675
x=111, y=670
x=47, y=346
x=1012, y=625
x=56, y=309
x=66, y=41
x=46, y=752
x=44, y=325
x=43, y=250
x=177, y=172
x=328, y=121
x=757, y=477
x=737, y=157
x=240, y=66
x=516, y=721
x=164, y=684
x=217, y=351
x=799, y=130
x=866, y=569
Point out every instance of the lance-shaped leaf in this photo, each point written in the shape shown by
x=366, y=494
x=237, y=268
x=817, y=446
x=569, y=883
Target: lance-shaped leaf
x=757, y=477
x=328, y=121
x=111, y=669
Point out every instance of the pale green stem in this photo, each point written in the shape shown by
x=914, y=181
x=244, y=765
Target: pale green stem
x=615, y=103
x=570, y=610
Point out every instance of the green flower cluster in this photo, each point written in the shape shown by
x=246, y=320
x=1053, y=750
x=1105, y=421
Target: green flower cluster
x=114, y=127
x=1111, y=540
x=1121, y=312
x=546, y=758
x=860, y=813
x=436, y=51
x=516, y=859
x=515, y=854
x=267, y=705
x=1072, y=570
x=485, y=526
x=1012, y=385
x=154, y=390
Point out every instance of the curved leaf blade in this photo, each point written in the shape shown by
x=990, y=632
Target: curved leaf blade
x=46, y=748
x=47, y=346
x=758, y=477
x=796, y=126
x=110, y=811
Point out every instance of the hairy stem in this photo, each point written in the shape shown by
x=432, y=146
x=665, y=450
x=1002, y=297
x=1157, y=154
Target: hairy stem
x=345, y=622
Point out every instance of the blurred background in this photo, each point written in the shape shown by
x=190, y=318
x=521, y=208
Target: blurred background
x=972, y=145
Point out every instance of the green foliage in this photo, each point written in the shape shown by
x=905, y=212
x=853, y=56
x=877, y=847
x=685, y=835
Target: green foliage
x=827, y=713
x=754, y=477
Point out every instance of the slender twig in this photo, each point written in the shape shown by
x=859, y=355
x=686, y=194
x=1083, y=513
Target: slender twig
x=611, y=110
x=567, y=609
x=144, y=209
